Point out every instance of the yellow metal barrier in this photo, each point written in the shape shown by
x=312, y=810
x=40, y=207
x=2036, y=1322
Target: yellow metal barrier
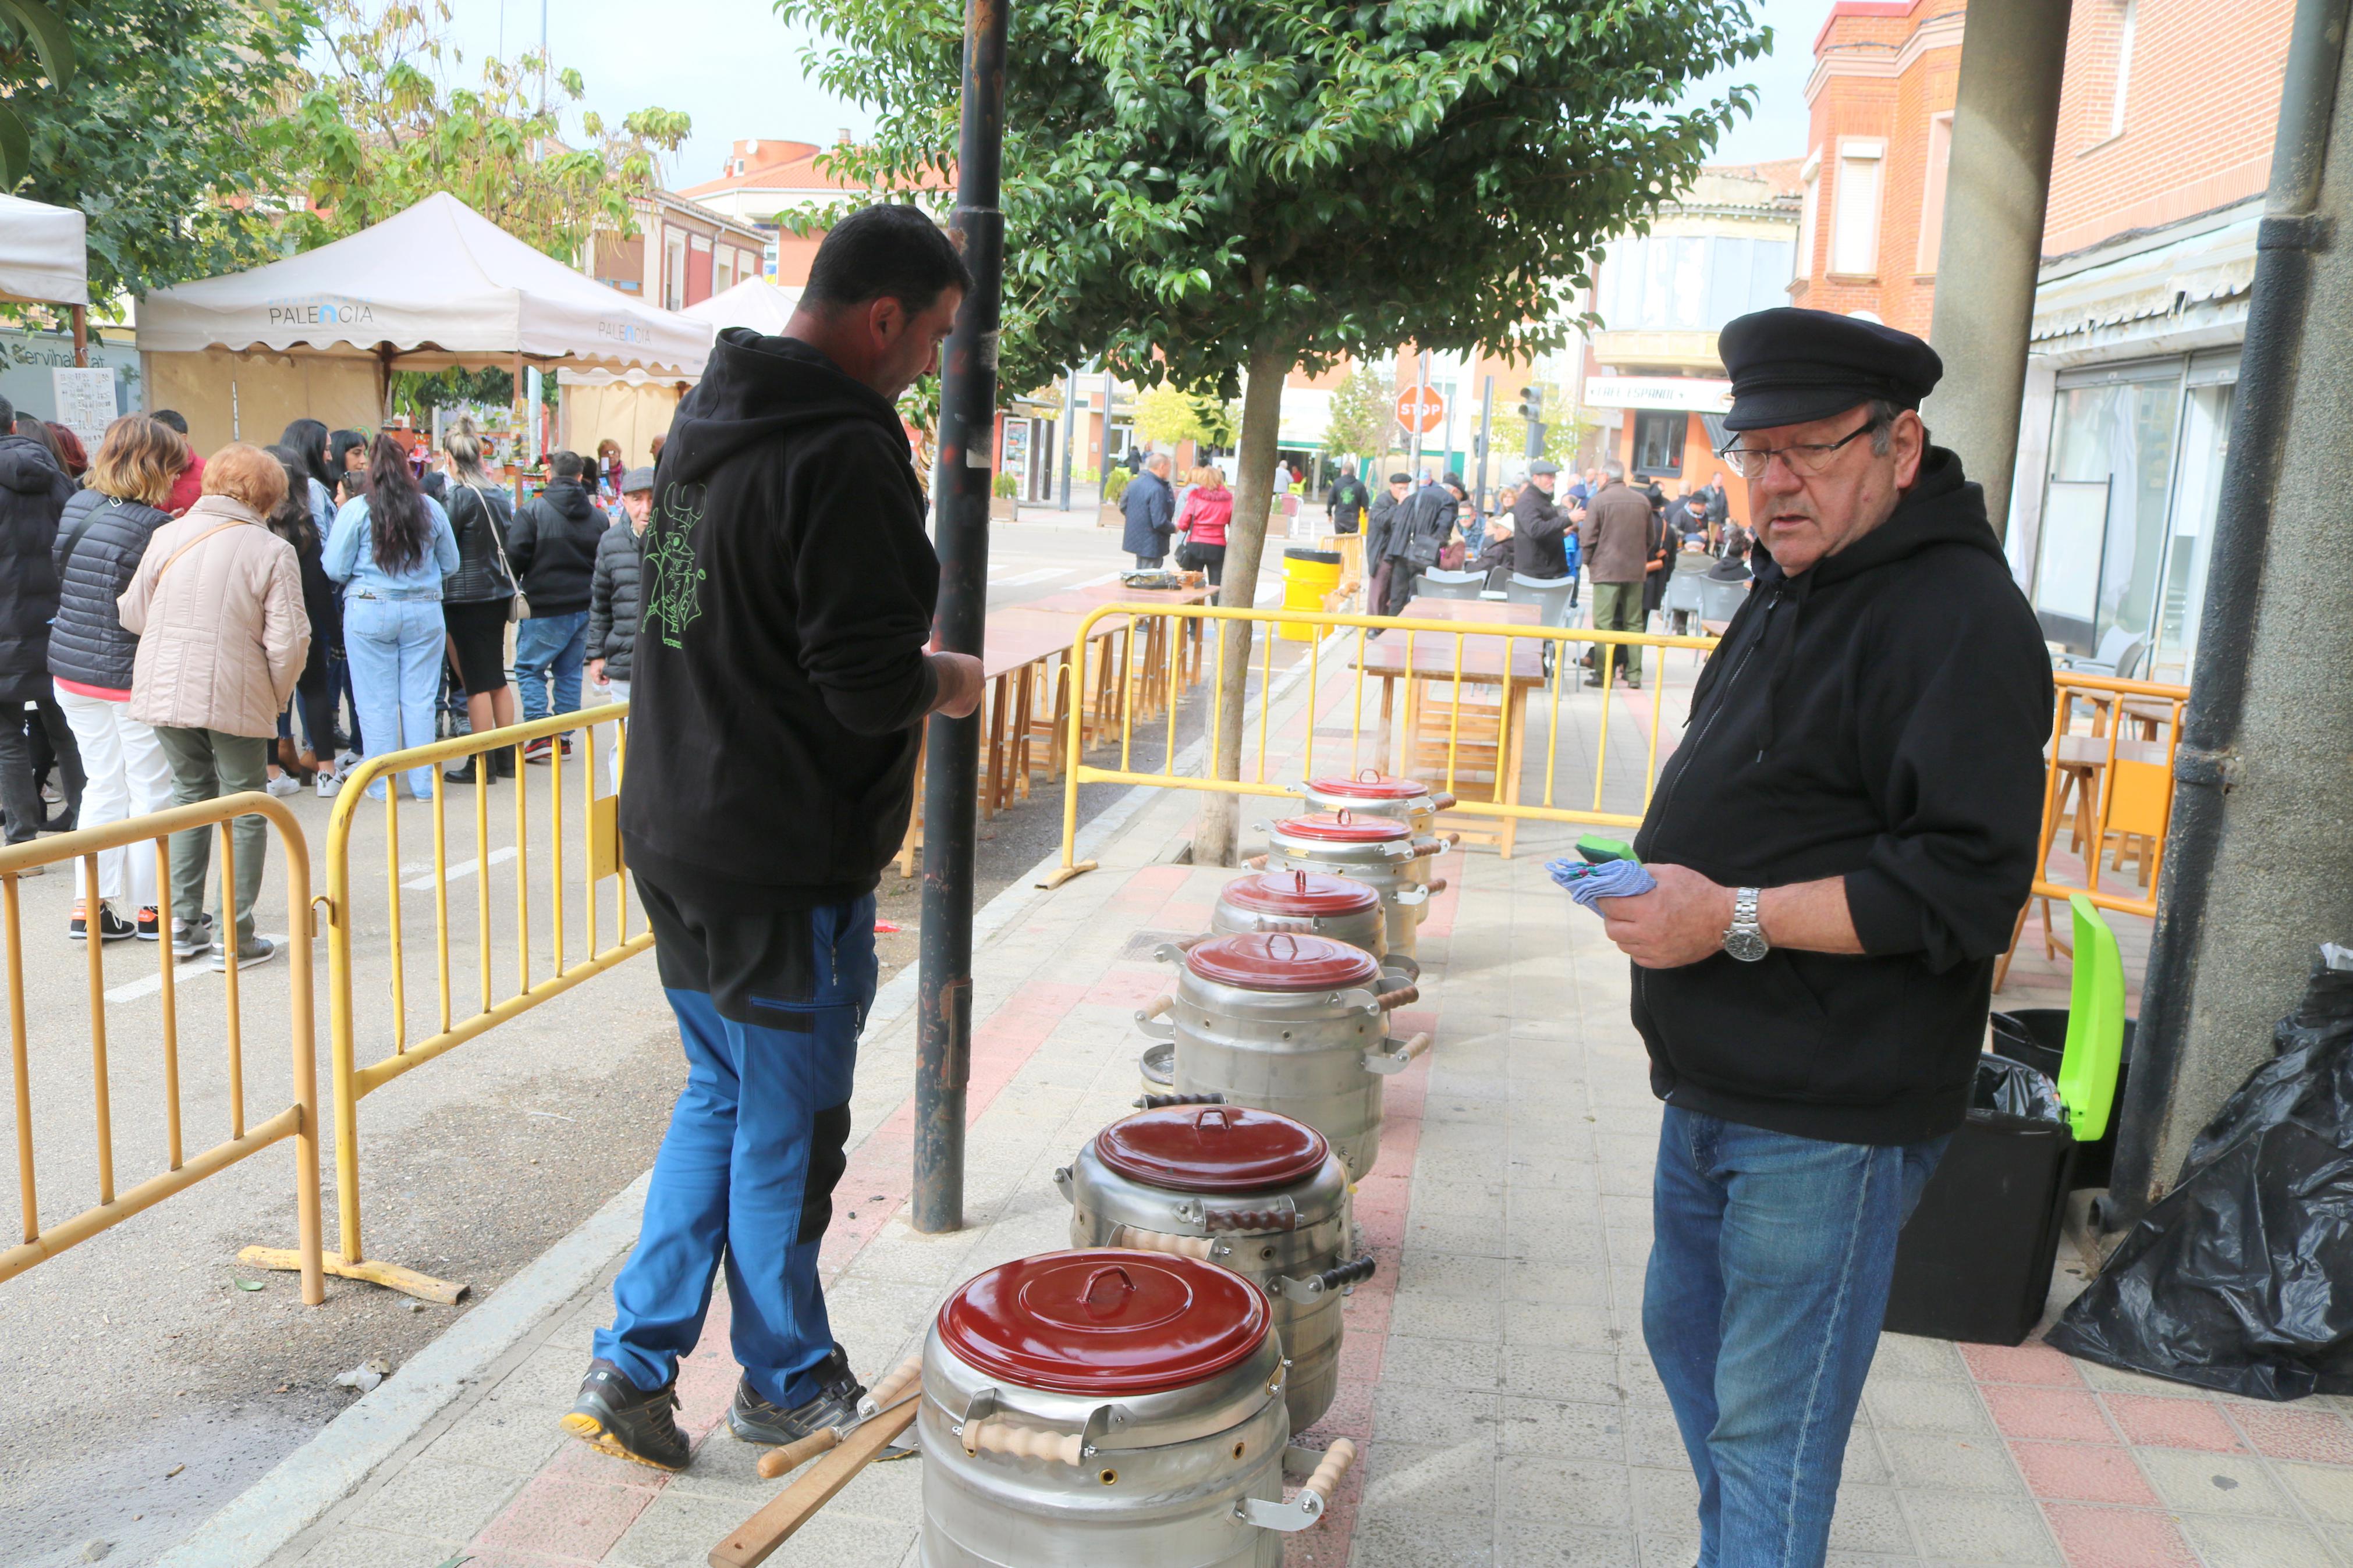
x=1455, y=656
x=299, y=1121
x=599, y=856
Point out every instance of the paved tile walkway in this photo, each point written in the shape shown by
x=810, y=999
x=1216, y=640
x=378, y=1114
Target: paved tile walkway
x=1493, y=1369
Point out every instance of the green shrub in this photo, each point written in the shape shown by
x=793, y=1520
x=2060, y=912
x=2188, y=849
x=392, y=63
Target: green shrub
x=1004, y=486
x=1115, y=486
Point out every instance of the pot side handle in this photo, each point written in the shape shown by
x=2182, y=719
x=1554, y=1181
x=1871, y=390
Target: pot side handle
x=1159, y=1007
x=1021, y=1443
x=1315, y=1494
x=1400, y=1056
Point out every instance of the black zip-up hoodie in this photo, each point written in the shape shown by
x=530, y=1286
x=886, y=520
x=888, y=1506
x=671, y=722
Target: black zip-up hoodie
x=553, y=544
x=1879, y=718
x=778, y=673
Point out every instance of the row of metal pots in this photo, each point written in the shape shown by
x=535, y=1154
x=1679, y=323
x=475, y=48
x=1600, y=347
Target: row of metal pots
x=1131, y=1400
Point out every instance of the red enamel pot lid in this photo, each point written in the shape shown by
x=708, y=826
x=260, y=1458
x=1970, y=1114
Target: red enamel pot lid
x=1377, y=787
x=1344, y=828
x=1301, y=893
x=1212, y=1149
x=1101, y=1320
x=1279, y=961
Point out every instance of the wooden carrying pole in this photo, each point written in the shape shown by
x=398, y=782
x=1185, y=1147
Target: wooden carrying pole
x=770, y=1528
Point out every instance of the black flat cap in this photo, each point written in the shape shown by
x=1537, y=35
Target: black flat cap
x=1788, y=366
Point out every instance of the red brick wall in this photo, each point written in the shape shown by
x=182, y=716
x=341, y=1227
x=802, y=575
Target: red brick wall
x=2200, y=106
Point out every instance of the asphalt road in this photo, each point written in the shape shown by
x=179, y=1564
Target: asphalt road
x=154, y=1376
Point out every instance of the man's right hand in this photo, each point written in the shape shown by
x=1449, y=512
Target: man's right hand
x=960, y=684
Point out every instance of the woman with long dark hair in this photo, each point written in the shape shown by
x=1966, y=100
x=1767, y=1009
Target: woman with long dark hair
x=347, y=452
x=291, y=520
x=391, y=548
x=477, y=598
x=306, y=440
x=323, y=469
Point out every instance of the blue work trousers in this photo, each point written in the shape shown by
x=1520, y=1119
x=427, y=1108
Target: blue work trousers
x=551, y=648
x=1770, y=1260
x=755, y=1144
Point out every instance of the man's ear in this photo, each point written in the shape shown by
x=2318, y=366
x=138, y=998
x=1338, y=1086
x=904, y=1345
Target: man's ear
x=1909, y=446
x=886, y=318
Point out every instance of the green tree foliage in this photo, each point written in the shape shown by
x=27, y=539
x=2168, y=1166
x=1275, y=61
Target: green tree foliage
x=36, y=47
x=1363, y=416
x=164, y=114
x=373, y=131
x=1168, y=413
x=1211, y=193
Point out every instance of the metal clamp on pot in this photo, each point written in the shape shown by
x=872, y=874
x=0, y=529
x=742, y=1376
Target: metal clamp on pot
x=1314, y=903
x=1097, y=1406
x=1382, y=852
x=1260, y=1193
x=1370, y=793
x=1314, y=1493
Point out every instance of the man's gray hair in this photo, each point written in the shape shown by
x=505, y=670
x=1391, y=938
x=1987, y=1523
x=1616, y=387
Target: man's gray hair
x=1883, y=420
x=1613, y=470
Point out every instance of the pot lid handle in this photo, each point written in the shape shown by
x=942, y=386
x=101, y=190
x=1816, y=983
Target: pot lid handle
x=1289, y=948
x=1368, y=775
x=1301, y=885
x=1225, y=1119
x=1087, y=1292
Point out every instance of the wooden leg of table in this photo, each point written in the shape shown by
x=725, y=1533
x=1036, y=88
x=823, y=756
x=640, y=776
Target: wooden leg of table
x=1514, y=720
x=1381, y=733
x=1024, y=710
x=992, y=782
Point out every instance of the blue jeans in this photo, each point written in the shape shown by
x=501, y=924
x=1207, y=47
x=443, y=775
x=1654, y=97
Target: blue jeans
x=754, y=1146
x=393, y=648
x=1771, y=1259
x=551, y=646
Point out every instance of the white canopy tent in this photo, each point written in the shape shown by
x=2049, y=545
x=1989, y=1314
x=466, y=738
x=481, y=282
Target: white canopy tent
x=632, y=406
x=43, y=254
x=318, y=334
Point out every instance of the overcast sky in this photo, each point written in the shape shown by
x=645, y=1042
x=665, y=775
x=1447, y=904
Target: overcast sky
x=737, y=71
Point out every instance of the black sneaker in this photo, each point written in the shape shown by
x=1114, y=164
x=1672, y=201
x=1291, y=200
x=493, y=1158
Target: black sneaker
x=538, y=750
x=614, y=1414
x=112, y=927
x=756, y=1420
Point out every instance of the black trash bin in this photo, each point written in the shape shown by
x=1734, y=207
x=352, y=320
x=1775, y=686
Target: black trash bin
x=2038, y=1037
x=1974, y=1262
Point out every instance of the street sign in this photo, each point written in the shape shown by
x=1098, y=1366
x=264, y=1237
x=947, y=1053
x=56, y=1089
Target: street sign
x=1421, y=409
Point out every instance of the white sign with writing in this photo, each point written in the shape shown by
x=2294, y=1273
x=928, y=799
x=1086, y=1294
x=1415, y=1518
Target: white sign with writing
x=1693, y=393
x=85, y=402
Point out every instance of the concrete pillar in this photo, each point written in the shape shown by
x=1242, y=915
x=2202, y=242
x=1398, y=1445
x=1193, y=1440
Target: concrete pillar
x=2259, y=863
x=1996, y=184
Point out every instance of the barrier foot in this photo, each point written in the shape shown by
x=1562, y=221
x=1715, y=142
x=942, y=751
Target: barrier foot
x=1065, y=873
x=390, y=1276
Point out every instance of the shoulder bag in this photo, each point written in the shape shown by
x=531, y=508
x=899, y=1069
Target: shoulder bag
x=518, y=606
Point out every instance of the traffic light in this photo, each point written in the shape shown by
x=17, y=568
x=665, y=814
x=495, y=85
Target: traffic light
x=1532, y=403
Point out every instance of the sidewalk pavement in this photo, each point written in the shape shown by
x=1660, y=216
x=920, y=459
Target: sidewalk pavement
x=1493, y=1372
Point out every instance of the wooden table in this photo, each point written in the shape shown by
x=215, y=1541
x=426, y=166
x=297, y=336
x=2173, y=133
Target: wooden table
x=1440, y=735
x=1149, y=669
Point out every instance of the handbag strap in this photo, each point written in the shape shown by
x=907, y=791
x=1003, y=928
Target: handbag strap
x=491, y=519
x=65, y=556
x=217, y=528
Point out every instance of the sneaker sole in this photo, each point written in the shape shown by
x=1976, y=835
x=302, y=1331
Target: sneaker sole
x=592, y=1432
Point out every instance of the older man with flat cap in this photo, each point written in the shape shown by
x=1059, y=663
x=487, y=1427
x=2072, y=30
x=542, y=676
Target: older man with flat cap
x=1842, y=843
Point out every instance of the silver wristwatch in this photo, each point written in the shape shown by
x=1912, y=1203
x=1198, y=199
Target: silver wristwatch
x=1745, y=939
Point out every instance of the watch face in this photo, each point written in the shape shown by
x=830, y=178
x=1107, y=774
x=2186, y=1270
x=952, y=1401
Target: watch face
x=1748, y=946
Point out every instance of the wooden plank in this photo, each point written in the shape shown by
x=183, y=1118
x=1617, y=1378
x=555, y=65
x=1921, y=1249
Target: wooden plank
x=774, y=1525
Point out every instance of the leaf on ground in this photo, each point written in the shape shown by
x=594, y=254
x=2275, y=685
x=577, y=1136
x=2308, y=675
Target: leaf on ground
x=248, y=1284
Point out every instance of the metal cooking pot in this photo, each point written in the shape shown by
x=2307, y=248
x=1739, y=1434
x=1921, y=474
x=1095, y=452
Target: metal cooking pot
x=1381, y=852
x=1316, y=903
x=1257, y=1193
x=1371, y=793
x=1294, y=1024
x=1103, y=1406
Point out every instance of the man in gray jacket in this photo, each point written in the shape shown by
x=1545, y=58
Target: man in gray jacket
x=1616, y=535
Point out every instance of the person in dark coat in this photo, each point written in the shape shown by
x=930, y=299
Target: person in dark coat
x=1150, y=508
x=33, y=494
x=1425, y=529
x=554, y=546
x=1534, y=546
x=1349, y=500
x=102, y=536
x=616, y=603
x=476, y=597
x=1842, y=843
x=1379, y=522
x=294, y=522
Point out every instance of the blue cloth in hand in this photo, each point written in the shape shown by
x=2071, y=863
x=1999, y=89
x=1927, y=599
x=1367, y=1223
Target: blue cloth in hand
x=1610, y=880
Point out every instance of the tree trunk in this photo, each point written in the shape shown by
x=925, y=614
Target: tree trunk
x=1215, y=831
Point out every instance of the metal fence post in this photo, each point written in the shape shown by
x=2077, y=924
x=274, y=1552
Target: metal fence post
x=966, y=462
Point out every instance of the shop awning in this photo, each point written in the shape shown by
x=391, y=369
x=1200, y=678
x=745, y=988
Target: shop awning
x=2162, y=281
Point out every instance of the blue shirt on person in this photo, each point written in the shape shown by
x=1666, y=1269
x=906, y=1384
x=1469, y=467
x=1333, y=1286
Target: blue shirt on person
x=358, y=570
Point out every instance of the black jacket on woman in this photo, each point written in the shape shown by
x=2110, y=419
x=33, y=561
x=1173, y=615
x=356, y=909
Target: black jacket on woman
x=553, y=544
x=33, y=494
x=481, y=517
x=615, y=605
x=99, y=545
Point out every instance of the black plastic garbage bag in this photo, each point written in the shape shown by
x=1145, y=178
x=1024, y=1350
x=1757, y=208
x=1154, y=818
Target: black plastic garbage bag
x=2241, y=1278
x=2005, y=1088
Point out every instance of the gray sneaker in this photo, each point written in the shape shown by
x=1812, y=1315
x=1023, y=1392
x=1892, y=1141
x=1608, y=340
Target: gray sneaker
x=256, y=948
x=756, y=1420
x=192, y=938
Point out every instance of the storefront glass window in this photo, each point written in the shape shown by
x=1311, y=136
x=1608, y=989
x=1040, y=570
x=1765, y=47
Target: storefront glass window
x=2119, y=437
x=1658, y=443
x=2205, y=447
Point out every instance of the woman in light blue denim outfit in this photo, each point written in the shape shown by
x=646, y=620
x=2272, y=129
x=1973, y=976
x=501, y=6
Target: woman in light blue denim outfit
x=391, y=548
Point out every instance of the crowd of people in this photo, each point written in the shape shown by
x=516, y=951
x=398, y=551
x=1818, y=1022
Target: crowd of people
x=175, y=628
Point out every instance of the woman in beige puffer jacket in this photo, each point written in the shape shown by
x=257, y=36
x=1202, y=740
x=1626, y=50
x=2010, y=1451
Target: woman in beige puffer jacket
x=216, y=606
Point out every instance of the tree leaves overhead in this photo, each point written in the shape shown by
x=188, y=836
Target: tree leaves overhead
x=1184, y=179
x=373, y=132
x=159, y=122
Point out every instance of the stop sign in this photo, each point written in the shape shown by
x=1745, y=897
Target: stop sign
x=1420, y=410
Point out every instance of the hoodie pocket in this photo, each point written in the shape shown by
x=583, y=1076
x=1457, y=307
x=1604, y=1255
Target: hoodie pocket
x=1742, y=1029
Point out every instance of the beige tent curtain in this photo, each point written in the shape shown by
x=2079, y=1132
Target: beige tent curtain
x=633, y=416
x=227, y=396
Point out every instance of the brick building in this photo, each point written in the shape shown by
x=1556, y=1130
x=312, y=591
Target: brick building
x=682, y=254
x=762, y=178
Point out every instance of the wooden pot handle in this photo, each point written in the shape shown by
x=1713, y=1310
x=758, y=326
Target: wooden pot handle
x=996, y=1438
x=1403, y=996
x=1326, y=1479
x=1138, y=1239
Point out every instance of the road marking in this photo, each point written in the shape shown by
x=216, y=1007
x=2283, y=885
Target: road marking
x=131, y=991
x=1043, y=574
x=1098, y=582
x=457, y=868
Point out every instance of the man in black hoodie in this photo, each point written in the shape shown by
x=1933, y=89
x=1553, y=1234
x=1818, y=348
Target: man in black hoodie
x=776, y=682
x=1842, y=843
x=553, y=548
